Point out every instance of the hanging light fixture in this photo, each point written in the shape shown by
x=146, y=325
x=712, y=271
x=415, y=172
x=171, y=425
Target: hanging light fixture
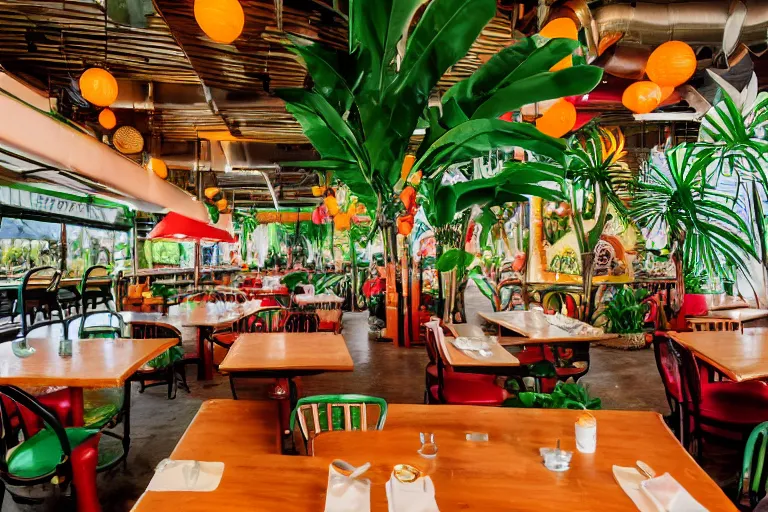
x=221, y=20
x=158, y=167
x=107, y=119
x=671, y=64
x=642, y=97
x=558, y=120
x=98, y=86
x=128, y=140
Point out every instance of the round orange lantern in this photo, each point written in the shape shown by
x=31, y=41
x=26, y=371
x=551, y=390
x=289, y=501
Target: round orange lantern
x=107, y=119
x=98, y=86
x=558, y=120
x=221, y=20
x=642, y=97
x=666, y=92
x=671, y=64
x=158, y=167
x=563, y=28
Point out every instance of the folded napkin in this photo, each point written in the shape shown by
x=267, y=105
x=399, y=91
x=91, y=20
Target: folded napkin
x=473, y=342
x=186, y=475
x=418, y=496
x=660, y=494
x=345, y=494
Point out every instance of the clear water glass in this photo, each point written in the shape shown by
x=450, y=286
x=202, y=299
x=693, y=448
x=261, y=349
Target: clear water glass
x=20, y=348
x=428, y=448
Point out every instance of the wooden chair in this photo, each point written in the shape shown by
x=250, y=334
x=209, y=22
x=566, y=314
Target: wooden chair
x=301, y=321
x=167, y=368
x=715, y=324
x=326, y=413
x=41, y=455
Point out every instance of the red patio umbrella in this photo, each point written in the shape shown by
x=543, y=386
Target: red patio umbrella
x=180, y=228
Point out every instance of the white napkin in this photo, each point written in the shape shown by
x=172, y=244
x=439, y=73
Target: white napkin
x=186, y=475
x=418, y=496
x=474, y=342
x=660, y=494
x=347, y=495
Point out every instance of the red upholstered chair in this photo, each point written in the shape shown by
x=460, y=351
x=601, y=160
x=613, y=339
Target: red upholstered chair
x=668, y=362
x=728, y=410
x=443, y=385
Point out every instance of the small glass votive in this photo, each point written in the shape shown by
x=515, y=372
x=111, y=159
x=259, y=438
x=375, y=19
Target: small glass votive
x=556, y=459
x=428, y=448
x=65, y=347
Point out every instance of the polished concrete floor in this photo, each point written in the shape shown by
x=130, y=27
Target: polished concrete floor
x=624, y=380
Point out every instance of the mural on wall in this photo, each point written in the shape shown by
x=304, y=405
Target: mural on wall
x=555, y=250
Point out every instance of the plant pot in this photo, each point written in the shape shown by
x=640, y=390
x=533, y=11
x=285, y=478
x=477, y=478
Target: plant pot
x=631, y=341
x=694, y=304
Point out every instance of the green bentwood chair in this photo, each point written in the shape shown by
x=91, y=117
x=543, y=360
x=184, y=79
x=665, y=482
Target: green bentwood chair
x=326, y=413
x=753, y=468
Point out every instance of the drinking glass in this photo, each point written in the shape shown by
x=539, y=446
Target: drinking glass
x=20, y=348
x=428, y=448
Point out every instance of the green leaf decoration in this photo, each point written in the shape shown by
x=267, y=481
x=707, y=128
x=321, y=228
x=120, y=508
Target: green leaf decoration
x=454, y=258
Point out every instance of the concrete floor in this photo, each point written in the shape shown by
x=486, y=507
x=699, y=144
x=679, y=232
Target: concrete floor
x=624, y=380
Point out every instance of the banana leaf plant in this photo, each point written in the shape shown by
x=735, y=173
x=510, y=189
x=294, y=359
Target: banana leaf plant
x=735, y=128
x=595, y=174
x=366, y=103
x=705, y=234
x=246, y=222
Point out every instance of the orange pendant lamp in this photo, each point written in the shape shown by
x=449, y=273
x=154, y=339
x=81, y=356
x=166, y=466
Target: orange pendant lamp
x=221, y=20
x=107, y=119
x=158, y=167
x=558, y=120
x=563, y=28
x=671, y=64
x=98, y=87
x=642, y=97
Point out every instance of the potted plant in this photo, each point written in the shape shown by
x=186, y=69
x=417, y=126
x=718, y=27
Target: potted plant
x=566, y=395
x=625, y=315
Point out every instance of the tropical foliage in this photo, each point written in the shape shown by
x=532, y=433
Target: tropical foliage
x=566, y=395
x=625, y=312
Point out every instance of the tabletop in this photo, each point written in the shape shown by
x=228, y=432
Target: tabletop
x=95, y=363
x=461, y=359
x=200, y=315
x=321, y=351
x=505, y=473
x=738, y=356
x=728, y=303
x=303, y=299
x=465, y=330
x=537, y=328
x=737, y=315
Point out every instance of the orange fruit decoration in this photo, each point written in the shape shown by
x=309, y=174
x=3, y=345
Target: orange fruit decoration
x=563, y=28
x=221, y=205
x=341, y=222
x=98, y=86
x=158, y=167
x=107, y=119
x=408, y=162
x=332, y=205
x=408, y=197
x=642, y=97
x=415, y=178
x=671, y=64
x=318, y=191
x=558, y=120
x=405, y=225
x=221, y=20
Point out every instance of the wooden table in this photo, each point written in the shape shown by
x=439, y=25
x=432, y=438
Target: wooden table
x=503, y=474
x=468, y=330
x=205, y=318
x=742, y=315
x=285, y=356
x=95, y=363
x=738, y=356
x=496, y=364
x=535, y=328
x=729, y=303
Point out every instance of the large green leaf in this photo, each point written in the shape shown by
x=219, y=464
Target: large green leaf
x=454, y=258
x=540, y=87
x=476, y=137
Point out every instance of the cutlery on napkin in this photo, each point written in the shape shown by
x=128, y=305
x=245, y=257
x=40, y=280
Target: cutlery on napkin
x=186, y=475
x=660, y=494
x=416, y=496
x=347, y=492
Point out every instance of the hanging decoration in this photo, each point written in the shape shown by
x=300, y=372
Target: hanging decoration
x=564, y=28
x=158, y=167
x=671, y=64
x=107, y=119
x=128, y=140
x=642, y=97
x=342, y=215
x=98, y=87
x=221, y=20
x=558, y=120
x=215, y=201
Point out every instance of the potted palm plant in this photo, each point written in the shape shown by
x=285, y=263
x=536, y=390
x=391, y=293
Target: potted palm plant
x=624, y=315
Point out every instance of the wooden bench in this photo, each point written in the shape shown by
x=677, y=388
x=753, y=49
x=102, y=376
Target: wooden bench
x=252, y=422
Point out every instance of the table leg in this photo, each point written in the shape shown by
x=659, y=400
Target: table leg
x=204, y=367
x=126, y=418
x=77, y=406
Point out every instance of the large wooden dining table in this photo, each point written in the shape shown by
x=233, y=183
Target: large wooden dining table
x=504, y=473
x=738, y=356
x=534, y=327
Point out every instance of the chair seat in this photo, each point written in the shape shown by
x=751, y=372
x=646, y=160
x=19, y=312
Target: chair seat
x=226, y=338
x=740, y=403
x=327, y=325
x=39, y=455
x=529, y=355
x=571, y=371
x=432, y=370
x=470, y=392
